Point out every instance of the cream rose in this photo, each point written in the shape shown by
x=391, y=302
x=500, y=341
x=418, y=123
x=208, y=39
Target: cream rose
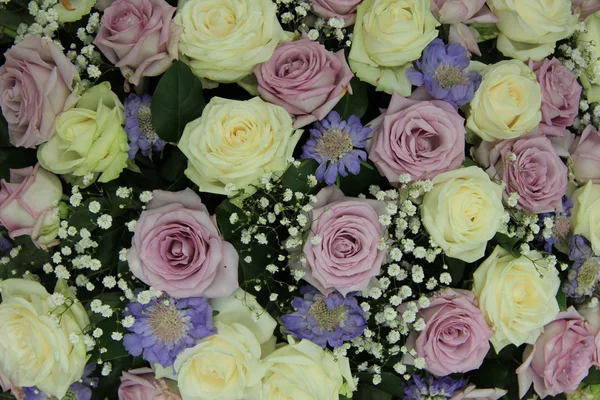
x=223, y=40
x=227, y=366
x=590, y=79
x=236, y=142
x=585, y=216
x=463, y=212
x=530, y=29
x=507, y=104
x=516, y=295
x=89, y=138
x=388, y=35
x=304, y=370
x=35, y=349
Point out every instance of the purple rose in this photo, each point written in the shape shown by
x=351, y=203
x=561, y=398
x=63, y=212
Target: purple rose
x=344, y=9
x=585, y=156
x=585, y=8
x=141, y=384
x=531, y=167
x=456, y=337
x=459, y=13
x=177, y=248
x=305, y=79
x=342, y=247
x=560, y=95
x=560, y=358
x=139, y=37
x=419, y=138
x=37, y=82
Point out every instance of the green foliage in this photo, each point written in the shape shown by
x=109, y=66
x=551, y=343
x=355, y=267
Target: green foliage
x=391, y=384
x=14, y=158
x=178, y=99
x=355, y=103
x=507, y=243
x=561, y=298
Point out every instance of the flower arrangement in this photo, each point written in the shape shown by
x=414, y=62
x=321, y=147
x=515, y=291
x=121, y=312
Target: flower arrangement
x=300, y=199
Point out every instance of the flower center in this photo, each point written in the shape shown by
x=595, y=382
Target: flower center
x=145, y=123
x=70, y=395
x=168, y=324
x=449, y=76
x=588, y=274
x=334, y=144
x=562, y=227
x=326, y=318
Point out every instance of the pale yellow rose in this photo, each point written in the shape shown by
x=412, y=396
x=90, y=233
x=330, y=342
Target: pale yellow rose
x=89, y=138
x=507, y=103
x=590, y=79
x=388, y=36
x=227, y=366
x=304, y=370
x=35, y=349
x=585, y=216
x=463, y=212
x=236, y=142
x=531, y=28
x=223, y=40
x=516, y=295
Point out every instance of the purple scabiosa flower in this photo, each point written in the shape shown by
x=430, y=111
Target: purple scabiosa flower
x=561, y=226
x=426, y=388
x=166, y=326
x=584, y=274
x=139, y=128
x=335, y=145
x=5, y=244
x=332, y=320
x=442, y=70
x=33, y=393
x=82, y=389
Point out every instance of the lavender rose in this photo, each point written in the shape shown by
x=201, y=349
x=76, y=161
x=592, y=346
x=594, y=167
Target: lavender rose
x=560, y=357
x=28, y=205
x=305, y=79
x=37, y=82
x=456, y=337
x=419, y=138
x=342, y=247
x=560, y=95
x=344, y=9
x=585, y=156
x=139, y=37
x=141, y=384
x=531, y=167
x=177, y=248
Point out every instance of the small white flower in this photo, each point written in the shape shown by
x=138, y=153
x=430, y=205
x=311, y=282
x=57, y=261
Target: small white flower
x=109, y=282
x=90, y=286
x=73, y=338
x=146, y=196
x=61, y=272
x=273, y=296
x=104, y=221
x=248, y=259
x=56, y=300
x=116, y=336
x=94, y=207
x=128, y=321
x=445, y=278
x=123, y=255
x=48, y=268
x=131, y=225
x=75, y=199
x=315, y=240
x=106, y=369
x=97, y=333
x=233, y=218
x=124, y=192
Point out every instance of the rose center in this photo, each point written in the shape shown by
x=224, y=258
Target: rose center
x=167, y=323
x=449, y=76
x=334, y=144
x=327, y=318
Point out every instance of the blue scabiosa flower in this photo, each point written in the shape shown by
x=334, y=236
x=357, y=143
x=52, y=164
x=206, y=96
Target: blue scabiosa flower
x=429, y=388
x=139, y=128
x=5, y=244
x=33, y=393
x=332, y=320
x=165, y=327
x=442, y=70
x=561, y=226
x=584, y=274
x=335, y=145
x=82, y=389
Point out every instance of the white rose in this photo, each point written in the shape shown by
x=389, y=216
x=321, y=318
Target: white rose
x=227, y=366
x=223, y=40
x=507, y=103
x=516, y=295
x=463, y=212
x=585, y=216
x=531, y=28
x=237, y=142
x=388, y=35
x=35, y=349
x=305, y=371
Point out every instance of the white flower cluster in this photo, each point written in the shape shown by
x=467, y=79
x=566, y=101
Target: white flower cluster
x=45, y=22
x=324, y=30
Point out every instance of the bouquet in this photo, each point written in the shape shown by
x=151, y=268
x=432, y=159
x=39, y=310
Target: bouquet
x=300, y=199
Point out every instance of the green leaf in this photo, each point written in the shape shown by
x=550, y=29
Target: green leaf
x=508, y=243
x=177, y=100
x=390, y=383
x=296, y=178
x=14, y=158
x=468, y=162
x=593, y=377
x=175, y=164
x=4, y=138
x=355, y=103
x=456, y=268
x=353, y=185
x=561, y=297
x=368, y=392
